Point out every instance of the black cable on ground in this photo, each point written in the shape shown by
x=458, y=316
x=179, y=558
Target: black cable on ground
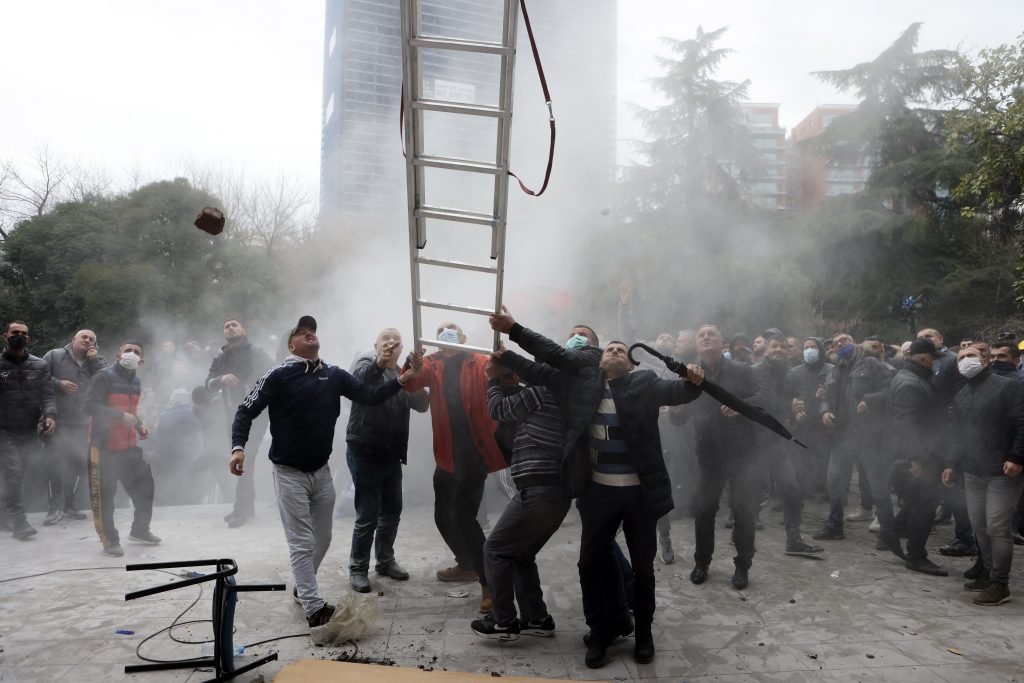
x=54, y=571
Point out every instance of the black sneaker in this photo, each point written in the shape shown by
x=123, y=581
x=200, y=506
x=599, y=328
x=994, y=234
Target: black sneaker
x=52, y=517
x=643, y=650
x=976, y=569
x=144, y=537
x=545, y=628
x=827, y=533
x=957, y=549
x=802, y=549
x=977, y=585
x=360, y=582
x=926, y=566
x=393, y=570
x=623, y=629
x=22, y=529
x=892, y=543
x=113, y=550
x=699, y=574
x=321, y=616
x=597, y=650
x=740, y=578
x=74, y=513
x=487, y=627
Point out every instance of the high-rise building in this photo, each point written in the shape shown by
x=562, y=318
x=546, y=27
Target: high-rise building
x=766, y=186
x=362, y=172
x=812, y=177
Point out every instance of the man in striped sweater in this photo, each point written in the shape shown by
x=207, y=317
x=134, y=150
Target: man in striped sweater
x=532, y=517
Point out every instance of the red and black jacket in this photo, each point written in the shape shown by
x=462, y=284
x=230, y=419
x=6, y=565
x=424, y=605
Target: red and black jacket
x=112, y=392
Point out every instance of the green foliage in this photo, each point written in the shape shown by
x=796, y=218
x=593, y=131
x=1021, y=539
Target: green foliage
x=128, y=264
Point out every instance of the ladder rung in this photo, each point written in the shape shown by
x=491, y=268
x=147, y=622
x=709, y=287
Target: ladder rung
x=459, y=347
x=457, y=108
x=455, y=164
x=456, y=264
x=441, y=213
x=464, y=45
x=455, y=307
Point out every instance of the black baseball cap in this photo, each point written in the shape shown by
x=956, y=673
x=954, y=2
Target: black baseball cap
x=922, y=345
x=306, y=322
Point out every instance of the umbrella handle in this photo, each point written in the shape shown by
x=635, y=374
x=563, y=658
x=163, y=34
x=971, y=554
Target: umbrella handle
x=671, y=363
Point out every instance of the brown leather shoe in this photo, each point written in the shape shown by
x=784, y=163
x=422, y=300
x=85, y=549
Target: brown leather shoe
x=486, y=603
x=456, y=574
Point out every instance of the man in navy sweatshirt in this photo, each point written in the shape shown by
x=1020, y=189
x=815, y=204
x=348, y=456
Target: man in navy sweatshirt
x=303, y=395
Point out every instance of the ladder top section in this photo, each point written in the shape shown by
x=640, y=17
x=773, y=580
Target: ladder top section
x=478, y=46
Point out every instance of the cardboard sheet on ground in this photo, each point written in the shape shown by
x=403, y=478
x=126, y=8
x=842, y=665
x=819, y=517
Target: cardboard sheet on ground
x=319, y=671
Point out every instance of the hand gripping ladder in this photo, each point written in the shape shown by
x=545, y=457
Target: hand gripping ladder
x=414, y=105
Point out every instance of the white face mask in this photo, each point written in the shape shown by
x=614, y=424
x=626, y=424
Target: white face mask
x=130, y=361
x=969, y=366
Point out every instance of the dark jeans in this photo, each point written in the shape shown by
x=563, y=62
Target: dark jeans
x=378, y=503
x=602, y=510
x=245, y=486
x=777, y=459
x=67, y=466
x=844, y=454
x=456, y=500
x=510, y=552
x=991, y=502
x=741, y=471
x=129, y=468
x=12, y=459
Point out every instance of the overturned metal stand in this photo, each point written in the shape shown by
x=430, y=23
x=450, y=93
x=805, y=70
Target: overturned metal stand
x=224, y=590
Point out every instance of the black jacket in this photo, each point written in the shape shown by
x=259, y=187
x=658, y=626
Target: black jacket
x=26, y=394
x=802, y=384
x=989, y=421
x=719, y=436
x=915, y=428
x=849, y=384
x=63, y=366
x=304, y=398
x=638, y=396
x=382, y=430
x=246, y=362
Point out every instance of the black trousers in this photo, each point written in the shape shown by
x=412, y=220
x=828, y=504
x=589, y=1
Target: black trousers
x=510, y=552
x=106, y=469
x=245, y=486
x=920, y=498
x=602, y=510
x=744, y=477
x=67, y=457
x=457, y=498
x=12, y=459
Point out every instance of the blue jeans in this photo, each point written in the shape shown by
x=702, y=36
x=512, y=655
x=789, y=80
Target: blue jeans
x=378, y=503
x=841, y=461
x=878, y=465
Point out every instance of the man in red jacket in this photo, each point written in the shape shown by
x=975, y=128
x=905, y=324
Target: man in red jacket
x=464, y=450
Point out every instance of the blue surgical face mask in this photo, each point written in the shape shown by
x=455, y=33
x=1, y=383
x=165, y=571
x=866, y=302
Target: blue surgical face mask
x=576, y=341
x=811, y=355
x=846, y=352
x=449, y=336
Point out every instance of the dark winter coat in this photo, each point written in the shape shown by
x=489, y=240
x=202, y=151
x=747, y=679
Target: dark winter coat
x=63, y=366
x=637, y=395
x=989, y=423
x=26, y=394
x=849, y=384
x=246, y=362
x=719, y=436
x=916, y=427
x=382, y=430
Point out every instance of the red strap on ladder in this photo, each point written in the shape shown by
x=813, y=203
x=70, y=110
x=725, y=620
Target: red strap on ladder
x=547, y=101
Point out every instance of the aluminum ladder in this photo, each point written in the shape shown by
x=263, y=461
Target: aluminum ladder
x=414, y=105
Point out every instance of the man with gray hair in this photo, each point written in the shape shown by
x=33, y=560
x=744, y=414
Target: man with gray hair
x=72, y=368
x=378, y=441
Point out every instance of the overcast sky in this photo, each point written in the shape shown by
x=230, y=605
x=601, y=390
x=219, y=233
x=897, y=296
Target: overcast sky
x=122, y=83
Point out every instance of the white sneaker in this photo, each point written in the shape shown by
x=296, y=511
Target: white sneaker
x=861, y=515
x=873, y=527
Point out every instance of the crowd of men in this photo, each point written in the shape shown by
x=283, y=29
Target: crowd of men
x=634, y=445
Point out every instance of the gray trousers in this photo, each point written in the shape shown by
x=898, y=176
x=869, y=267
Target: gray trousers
x=13, y=450
x=990, y=505
x=306, y=502
x=510, y=552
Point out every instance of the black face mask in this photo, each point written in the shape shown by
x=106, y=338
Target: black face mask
x=1002, y=364
x=17, y=342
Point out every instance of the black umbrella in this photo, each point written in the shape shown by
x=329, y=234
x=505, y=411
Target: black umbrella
x=726, y=398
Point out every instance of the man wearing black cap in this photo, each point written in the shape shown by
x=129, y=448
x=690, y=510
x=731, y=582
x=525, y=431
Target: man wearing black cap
x=915, y=436
x=304, y=398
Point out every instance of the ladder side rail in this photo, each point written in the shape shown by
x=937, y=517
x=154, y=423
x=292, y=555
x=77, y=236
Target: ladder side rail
x=410, y=14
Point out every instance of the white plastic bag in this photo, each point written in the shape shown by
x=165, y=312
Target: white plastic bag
x=353, y=617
